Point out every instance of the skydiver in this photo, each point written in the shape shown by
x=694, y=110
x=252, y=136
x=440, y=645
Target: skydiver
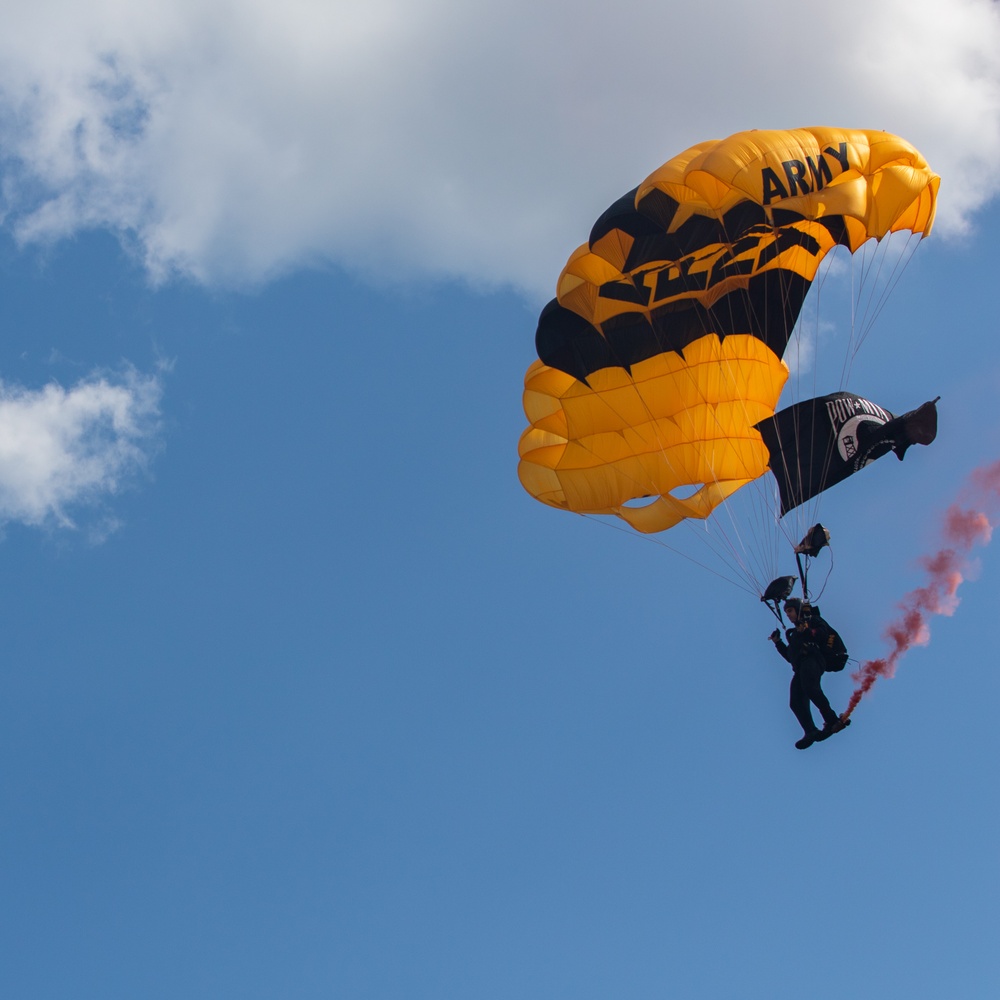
x=808, y=665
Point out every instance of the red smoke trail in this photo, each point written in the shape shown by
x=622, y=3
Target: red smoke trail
x=963, y=528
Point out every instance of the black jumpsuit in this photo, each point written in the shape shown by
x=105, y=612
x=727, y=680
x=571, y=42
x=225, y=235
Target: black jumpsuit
x=807, y=671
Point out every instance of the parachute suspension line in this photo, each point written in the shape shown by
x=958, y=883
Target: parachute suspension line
x=899, y=266
x=859, y=269
x=855, y=264
x=876, y=289
x=818, y=287
x=656, y=540
x=879, y=288
x=761, y=505
x=872, y=259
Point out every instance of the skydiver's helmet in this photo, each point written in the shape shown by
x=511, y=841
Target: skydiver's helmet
x=795, y=604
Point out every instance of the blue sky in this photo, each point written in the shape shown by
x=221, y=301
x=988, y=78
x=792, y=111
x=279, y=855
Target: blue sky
x=302, y=695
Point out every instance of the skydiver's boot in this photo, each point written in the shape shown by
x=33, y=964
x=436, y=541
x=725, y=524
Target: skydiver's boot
x=837, y=725
x=831, y=722
x=808, y=739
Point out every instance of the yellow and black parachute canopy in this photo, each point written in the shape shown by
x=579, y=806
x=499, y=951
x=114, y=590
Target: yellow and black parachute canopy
x=663, y=347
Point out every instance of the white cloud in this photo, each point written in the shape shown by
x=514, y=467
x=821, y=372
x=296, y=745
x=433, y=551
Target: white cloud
x=230, y=140
x=62, y=450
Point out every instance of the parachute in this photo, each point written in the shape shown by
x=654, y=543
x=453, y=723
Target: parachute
x=660, y=361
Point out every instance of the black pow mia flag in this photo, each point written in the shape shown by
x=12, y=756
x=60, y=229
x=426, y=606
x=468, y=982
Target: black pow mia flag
x=817, y=443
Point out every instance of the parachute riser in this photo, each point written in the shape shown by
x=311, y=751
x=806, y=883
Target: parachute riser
x=803, y=576
x=776, y=611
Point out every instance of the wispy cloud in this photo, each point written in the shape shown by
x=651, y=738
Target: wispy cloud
x=64, y=451
x=230, y=141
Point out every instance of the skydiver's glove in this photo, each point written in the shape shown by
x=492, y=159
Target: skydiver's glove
x=775, y=635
